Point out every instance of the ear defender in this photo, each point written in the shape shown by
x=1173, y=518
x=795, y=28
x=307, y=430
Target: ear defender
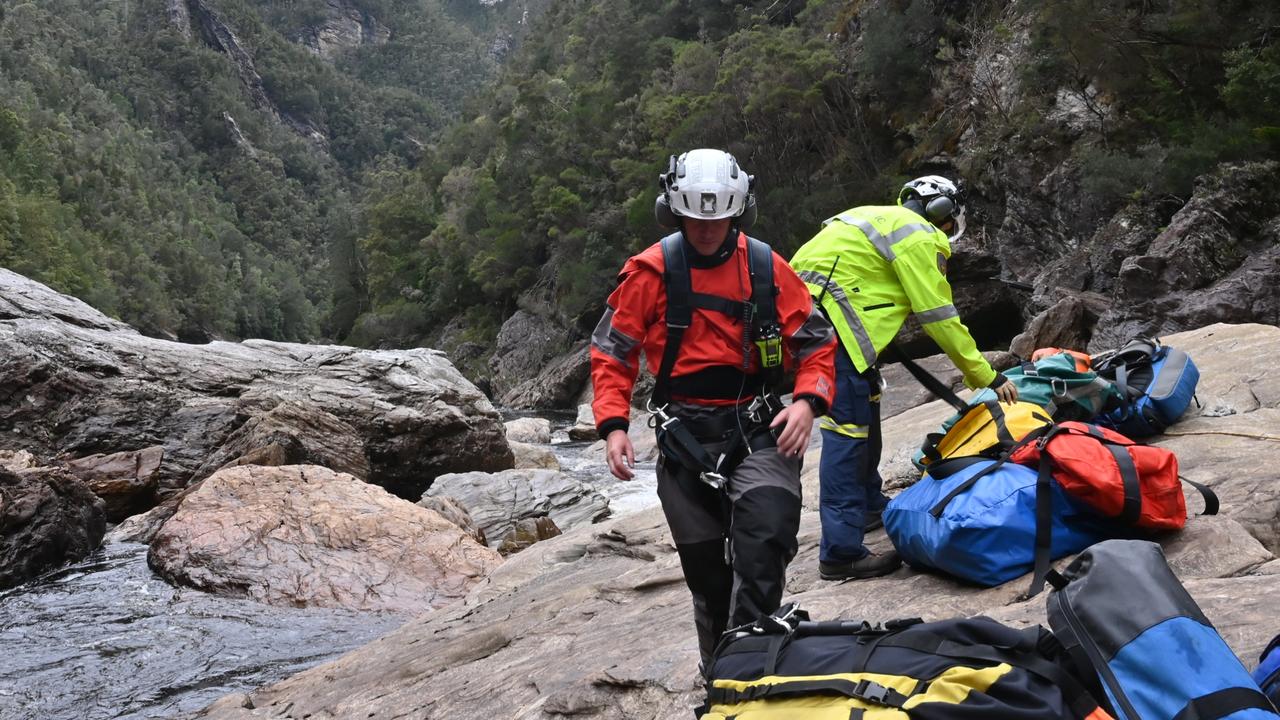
x=939, y=209
x=748, y=216
x=662, y=213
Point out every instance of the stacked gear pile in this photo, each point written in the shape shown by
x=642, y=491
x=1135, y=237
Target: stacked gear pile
x=1010, y=488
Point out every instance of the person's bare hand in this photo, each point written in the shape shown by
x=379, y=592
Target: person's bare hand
x=796, y=422
x=620, y=455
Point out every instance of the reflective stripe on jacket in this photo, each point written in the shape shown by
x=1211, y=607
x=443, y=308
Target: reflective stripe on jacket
x=634, y=319
x=891, y=264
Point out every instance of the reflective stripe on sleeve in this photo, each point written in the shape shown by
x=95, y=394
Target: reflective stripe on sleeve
x=813, y=335
x=946, y=312
x=612, y=341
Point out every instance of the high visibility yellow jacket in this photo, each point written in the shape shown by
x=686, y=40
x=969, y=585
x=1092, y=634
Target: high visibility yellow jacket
x=888, y=263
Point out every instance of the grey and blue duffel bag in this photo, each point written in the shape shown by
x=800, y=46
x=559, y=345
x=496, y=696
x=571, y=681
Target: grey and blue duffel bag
x=1119, y=611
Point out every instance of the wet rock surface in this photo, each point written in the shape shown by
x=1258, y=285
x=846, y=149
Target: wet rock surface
x=48, y=517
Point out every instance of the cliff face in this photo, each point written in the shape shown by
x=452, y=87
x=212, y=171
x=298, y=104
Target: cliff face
x=218, y=35
x=345, y=26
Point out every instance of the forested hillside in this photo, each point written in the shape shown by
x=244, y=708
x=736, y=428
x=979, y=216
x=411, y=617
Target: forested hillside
x=413, y=171
x=195, y=167
x=535, y=201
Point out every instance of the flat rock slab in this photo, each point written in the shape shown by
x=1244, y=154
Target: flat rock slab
x=304, y=536
x=498, y=501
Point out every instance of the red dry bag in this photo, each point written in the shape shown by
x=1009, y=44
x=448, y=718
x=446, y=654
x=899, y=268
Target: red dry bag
x=1137, y=485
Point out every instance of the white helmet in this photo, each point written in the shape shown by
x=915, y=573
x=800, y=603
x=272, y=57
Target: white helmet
x=706, y=184
x=939, y=197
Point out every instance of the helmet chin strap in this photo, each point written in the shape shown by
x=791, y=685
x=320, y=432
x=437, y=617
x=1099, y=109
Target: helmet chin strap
x=957, y=231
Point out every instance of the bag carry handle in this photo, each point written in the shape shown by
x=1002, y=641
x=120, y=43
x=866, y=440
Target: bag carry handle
x=1211, y=503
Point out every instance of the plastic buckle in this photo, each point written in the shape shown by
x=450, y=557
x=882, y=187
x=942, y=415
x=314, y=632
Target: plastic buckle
x=871, y=692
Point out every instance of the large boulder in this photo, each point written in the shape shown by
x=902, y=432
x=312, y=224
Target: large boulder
x=528, y=430
x=48, y=517
x=81, y=384
x=302, y=536
x=557, y=385
x=1218, y=260
x=534, y=457
x=498, y=501
x=126, y=481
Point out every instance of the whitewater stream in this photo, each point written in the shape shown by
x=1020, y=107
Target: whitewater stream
x=107, y=638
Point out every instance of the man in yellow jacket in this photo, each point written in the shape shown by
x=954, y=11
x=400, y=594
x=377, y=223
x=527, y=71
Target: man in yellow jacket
x=869, y=268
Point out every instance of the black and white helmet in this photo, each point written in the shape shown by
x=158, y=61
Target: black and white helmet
x=706, y=184
x=939, y=198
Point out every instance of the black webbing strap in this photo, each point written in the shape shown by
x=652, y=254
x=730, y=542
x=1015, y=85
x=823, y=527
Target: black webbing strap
x=723, y=305
x=679, y=285
x=936, y=511
x=763, y=291
x=1002, y=423
x=1132, y=508
x=943, y=469
x=1044, y=526
x=925, y=378
x=775, y=649
x=1224, y=702
x=764, y=320
x=1211, y=503
x=1024, y=655
x=864, y=690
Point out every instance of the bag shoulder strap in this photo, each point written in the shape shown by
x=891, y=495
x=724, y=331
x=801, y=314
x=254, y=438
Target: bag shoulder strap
x=925, y=378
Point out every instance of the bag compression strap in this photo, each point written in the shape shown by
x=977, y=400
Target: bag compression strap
x=952, y=465
x=1224, y=702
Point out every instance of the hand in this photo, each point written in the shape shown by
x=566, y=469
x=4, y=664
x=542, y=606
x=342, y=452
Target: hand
x=798, y=421
x=1005, y=391
x=620, y=455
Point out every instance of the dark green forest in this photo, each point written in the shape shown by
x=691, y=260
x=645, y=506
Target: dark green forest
x=140, y=172
x=427, y=179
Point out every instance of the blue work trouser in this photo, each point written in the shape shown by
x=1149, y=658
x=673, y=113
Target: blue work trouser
x=848, y=474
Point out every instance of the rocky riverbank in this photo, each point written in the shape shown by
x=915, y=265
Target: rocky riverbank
x=595, y=623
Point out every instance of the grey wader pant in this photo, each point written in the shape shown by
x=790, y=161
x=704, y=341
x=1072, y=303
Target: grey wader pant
x=734, y=543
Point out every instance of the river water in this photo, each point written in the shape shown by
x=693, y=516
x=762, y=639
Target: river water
x=107, y=638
